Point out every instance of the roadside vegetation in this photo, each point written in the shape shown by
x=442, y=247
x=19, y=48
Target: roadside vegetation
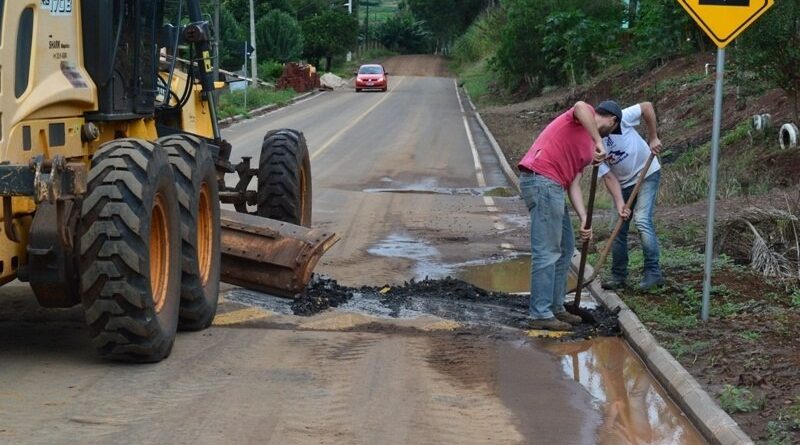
x=525, y=61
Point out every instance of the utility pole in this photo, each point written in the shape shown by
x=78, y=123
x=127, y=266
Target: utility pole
x=254, y=70
x=349, y=11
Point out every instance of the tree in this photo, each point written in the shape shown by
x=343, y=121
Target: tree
x=328, y=34
x=446, y=19
x=403, y=34
x=241, y=9
x=661, y=30
x=533, y=50
x=573, y=44
x=278, y=37
x=771, y=49
x=305, y=9
x=232, y=38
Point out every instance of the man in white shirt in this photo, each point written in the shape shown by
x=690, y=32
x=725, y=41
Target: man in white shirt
x=627, y=156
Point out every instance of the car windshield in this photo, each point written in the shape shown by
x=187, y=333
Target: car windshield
x=370, y=70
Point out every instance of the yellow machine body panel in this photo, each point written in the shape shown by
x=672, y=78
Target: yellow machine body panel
x=44, y=93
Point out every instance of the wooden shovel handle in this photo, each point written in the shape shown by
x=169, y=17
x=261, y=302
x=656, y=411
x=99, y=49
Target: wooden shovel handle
x=585, y=247
x=607, y=248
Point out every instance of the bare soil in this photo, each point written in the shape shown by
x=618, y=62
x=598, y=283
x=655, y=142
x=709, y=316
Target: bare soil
x=754, y=346
x=417, y=65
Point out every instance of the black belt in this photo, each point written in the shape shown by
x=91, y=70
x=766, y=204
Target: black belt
x=526, y=171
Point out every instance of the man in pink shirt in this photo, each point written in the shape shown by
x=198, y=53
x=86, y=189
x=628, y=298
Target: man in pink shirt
x=551, y=169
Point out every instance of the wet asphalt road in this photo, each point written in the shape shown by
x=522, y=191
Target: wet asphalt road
x=397, y=177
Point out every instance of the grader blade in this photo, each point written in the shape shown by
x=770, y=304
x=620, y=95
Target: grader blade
x=269, y=255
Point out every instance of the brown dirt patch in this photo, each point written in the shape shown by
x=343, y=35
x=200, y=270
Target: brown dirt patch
x=418, y=65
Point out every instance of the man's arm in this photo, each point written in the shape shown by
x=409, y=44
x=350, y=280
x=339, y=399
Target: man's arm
x=612, y=184
x=649, y=116
x=584, y=114
x=576, y=198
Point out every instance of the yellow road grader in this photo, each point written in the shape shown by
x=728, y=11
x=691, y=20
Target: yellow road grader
x=112, y=174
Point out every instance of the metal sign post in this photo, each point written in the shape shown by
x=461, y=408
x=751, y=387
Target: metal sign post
x=712, y=186
x=722, y=21
x=246, y=86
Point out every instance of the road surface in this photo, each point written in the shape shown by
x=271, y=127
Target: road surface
x=402, y=177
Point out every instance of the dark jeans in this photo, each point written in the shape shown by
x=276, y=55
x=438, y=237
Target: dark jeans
x=643, y=209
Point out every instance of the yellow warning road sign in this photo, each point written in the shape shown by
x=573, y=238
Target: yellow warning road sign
x=723, y=20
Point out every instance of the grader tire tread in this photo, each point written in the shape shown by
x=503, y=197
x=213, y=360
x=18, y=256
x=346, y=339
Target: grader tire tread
x=115, y=290
x=283, y=155
x=191, y=161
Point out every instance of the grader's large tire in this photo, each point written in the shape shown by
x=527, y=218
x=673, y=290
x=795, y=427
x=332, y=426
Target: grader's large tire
x=284, y=178
x=130, y=262
x=198, y=198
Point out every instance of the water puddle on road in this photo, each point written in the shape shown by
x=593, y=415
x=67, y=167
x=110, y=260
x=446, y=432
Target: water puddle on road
x=635, y=408
x=424, y=256
x=497, y=192
x=511, y=276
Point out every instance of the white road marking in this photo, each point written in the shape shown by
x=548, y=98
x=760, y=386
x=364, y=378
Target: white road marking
x=490, y=205
x=352, y=124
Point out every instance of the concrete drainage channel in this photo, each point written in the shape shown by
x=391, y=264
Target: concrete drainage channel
x=715, y=425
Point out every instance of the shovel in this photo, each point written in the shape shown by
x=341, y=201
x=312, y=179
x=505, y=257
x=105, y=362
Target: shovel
x=604, y=253
x=575, y=308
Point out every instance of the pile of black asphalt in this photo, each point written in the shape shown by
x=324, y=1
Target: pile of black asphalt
x=448, y=298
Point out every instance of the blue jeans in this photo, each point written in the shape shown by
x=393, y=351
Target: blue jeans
x=552, y=244
x=643, y=209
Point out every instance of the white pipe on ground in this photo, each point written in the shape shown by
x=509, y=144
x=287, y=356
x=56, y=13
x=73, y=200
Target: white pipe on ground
x=789, y=136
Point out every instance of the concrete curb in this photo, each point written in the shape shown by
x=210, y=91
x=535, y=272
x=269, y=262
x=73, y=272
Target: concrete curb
x=507, y=169
x=262, y=110
x=716, y=426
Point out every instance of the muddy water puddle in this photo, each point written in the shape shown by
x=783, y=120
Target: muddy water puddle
x=424, y=255
x=635, y=409
x=497, y=192
x=511, y=276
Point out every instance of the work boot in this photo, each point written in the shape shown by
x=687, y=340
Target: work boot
x=550, y=324
x=613, y=284
x=651, y=281
x=566, y=317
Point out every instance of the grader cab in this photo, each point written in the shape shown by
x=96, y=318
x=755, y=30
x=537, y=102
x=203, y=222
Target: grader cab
x=112, y=174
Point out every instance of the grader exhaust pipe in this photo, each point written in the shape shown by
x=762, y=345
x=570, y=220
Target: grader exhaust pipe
x=269, y=255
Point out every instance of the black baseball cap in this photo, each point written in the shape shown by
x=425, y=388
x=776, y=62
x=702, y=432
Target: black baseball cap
x=612, y=108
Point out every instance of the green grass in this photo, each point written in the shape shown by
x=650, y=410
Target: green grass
x=686, y=180
x=738, y=400
x=750, y=335
x=679, y=349
x=794, y=298
x=232, y=103
x=477, y=79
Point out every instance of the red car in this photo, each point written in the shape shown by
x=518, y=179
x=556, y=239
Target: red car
x=372, y=77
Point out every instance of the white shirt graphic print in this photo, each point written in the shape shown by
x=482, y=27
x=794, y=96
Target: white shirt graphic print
x=628, y=152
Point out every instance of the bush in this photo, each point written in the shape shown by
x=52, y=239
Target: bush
x=405, y=35
x=481, y=39
x=270, y=70
x=278, y=37
x=533, y=51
